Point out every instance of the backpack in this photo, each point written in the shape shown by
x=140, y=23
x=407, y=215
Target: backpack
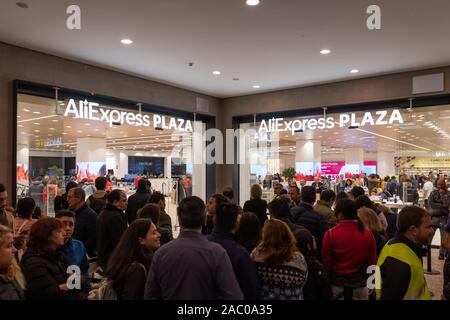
x=97, y=204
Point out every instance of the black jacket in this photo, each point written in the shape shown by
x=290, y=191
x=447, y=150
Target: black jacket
x=316, y=223
x=111, y=224
x=85, y=228
x=44, y=274
x=10, y=290
x=446, y=272
x=258, y=207
x=136, y=202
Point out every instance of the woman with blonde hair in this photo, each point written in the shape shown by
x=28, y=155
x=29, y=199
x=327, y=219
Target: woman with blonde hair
x=256, y=204
x=371, y=222
x=281, y=267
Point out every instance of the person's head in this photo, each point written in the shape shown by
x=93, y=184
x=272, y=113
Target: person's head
x=306, y=243
x=256, y=191
x=76, y=198
x=348, y=182
x=100, y=183
x=346, y=210
x=279, y=208
x=248, y=231
x=70, y=185
x=356, y=192
x=7, y=249
x=191, y=213
x=214, y=201
x=142, y=186
x=316, y=179
x=415, y=224
x=150, y=211
x=25, y=208
x=308, y=195
x=277, y=188
x=393, y=178
x=158, y=198
x=364, y=201
x=3, y=197
x=67, y=219
x=226, y=216
x=341, y=195
x=135, y=246
x=442, y=184
x=278, y=244
x=386, y=179
x=328, y=196
x=118, y=199
x=294, y=193
x=302, y=182
x=46, y=236
x=369, y=219
x=228, y=192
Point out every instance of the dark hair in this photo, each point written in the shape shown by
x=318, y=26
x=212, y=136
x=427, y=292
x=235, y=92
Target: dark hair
x=327, y=195
x=296, y=188
x=220, y=198
x=65, y=213
x=71, y=185
x=341, y=195
x=142, y=185
x=228, y=192
x=357, y=191
x=114, y=196
x=39, y=234
x=150, y=211
x=351, y=182
x=25, y=208
x=308, y=194
x=248, y=233
x=36, y=213
x=127, y=252
x=191, y=212
x=410, y=216
x=156, y=197
x=386, y=179
x=393, y=177
x=364, y=201
x=348, y=209
x=2, y=188
x=226, y=216
x=283, y=191
x=100, y=183
x=279, y=208
x=79, y=193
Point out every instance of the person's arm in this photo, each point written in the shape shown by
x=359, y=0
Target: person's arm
x=134, y=284
x=226, y=280
x=326, y=251
x=323, y=227
x=91, y=235
x=152, y=289
x=247, y=276
x=395, y=277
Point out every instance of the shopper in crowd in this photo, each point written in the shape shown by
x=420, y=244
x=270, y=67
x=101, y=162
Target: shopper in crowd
x=214, y=201
x=355, y=192
x=44, y=266
x=138, y=200
x=88, y=186
x=164, y=219
x=23, y=223
x=191, y=267
x=373, y=183
x=85, y=220
x=408, y=193
x=348, y=185
x=244, y=268
x=37, y=213
x=391, y=220
x=277, y=189
x=229, y=194
x=281, y=267
x=97, y=201
x=10, y=288
x=348, y=249
x=151, y=211
x=318, y=184
x=111, y=224
x=60, y=202
x=325, y=204
x=371, y=222
x=305, y=215
x=248, y=232
x=439, y=203
x=131, y=259
x=394, y=186
x=341, y=195
x=74, y=250
x=6, y=214
x=302, y=183
x=294, y=193
x=400, y=262
x=256, y=204
x=36, y=190
x=364, y=201
x=427, y=189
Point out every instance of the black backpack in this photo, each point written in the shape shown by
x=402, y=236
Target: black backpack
x=97, y=204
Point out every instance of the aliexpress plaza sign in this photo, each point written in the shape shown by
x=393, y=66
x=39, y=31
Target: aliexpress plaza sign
x=377, y=118
x=92, y=111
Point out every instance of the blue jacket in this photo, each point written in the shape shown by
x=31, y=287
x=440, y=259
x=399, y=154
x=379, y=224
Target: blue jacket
x=243, y=266
x=75, y=252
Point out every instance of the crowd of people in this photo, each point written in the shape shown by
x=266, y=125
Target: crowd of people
x=307, y=243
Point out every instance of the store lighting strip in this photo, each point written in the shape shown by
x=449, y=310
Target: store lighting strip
x=386, y=137
x=39, y=118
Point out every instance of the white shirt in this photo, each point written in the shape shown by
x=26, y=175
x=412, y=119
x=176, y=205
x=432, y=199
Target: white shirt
x=427, y=187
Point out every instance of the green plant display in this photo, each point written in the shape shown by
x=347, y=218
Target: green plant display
x=289, y=173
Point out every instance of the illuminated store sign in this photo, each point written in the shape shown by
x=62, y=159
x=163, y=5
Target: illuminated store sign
x=377, y=118
x=92, y=111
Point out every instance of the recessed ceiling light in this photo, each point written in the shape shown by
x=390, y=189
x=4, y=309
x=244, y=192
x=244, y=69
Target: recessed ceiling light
x=18, y=116
x=36, y=136
x=51, y=128
x=256, y=86
x=126, y=41
x=64, y=133
x=26, y=110
x=252, y=2
x=36, y=112
x=54, y=120
x=325, y=51
x=79, y=131
x=37, y=123
x=20, y=126
x=354, y=71
x=68, y=127
x=36, y=131
x=216, y=72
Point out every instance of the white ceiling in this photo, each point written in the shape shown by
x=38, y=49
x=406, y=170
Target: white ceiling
x=275, y=44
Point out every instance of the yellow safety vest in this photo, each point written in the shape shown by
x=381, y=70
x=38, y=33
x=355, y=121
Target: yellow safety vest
x=417, y=289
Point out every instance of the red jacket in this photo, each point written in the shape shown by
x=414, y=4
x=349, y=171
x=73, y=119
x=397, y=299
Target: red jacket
x=352, y=250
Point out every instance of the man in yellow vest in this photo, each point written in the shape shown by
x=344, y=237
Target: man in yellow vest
x=400, y=262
